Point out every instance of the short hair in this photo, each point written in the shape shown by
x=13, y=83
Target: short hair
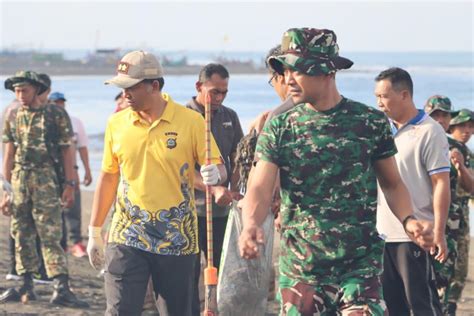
x=45, y=79
x=118, y=96
x=399, y=78
x=210, y=69
x=160, y=80
x=273, y=52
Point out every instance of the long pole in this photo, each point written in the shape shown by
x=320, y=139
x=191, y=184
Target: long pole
x=210, y=273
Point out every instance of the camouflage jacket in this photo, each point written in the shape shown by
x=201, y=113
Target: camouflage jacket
x=328, y=188
x=38, y=134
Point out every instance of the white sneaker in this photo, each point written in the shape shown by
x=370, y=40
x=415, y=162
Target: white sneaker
x=101, y=273
x=12, y=277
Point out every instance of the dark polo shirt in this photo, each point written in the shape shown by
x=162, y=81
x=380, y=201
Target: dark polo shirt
x=227, y=132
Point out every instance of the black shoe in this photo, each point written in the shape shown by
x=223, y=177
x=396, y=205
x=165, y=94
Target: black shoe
x=63, y=296
x=27, y=293
x=450, y=309
x=10, y=295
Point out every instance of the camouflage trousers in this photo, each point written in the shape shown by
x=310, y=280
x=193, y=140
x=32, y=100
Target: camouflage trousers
x=451, y=275
x=37, y=212
x=462, y=263
x=353, y=296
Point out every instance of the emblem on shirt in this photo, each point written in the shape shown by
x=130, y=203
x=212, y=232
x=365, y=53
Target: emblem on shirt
x=227, y=124
x=171, y=142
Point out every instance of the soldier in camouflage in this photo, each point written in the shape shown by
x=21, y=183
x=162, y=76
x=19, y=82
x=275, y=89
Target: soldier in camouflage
x=36, y=147
x=330, y=151
x=461, y=128
x=439, y=108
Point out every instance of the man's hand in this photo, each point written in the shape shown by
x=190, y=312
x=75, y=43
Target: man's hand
x=222, y=196
x=457, y=159
x=421, y=232
x=87, y=178
x=5, y=205
x=440, y=248
x=249, y=240
x=67, y=199
x=95, y=248
x=210, y=174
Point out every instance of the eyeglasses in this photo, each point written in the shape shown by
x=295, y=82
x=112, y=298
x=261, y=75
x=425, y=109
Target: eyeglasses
x=270, y=82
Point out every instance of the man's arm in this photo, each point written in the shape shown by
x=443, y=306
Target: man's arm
x=67, y=153
x=84, y=154
x=396, y=193
x=104, y=197
x=399, y=200
x=441, y=201
x=255, y=208
x=8, y=158
x=465, y=176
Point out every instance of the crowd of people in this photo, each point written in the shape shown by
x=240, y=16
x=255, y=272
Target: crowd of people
x=371, y=204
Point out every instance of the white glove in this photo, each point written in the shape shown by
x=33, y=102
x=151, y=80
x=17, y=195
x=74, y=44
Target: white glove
x=210, y=174
x=95, y=248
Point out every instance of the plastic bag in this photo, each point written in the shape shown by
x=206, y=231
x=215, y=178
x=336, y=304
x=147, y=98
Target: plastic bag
x=243, y=285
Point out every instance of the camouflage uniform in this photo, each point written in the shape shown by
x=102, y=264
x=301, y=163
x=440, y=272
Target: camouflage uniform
x=444, y=272
x=331, y=254
x=36, y=205
x=461, y=199
x=455, y=228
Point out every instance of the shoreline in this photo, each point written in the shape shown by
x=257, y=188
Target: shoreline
x=88, y=286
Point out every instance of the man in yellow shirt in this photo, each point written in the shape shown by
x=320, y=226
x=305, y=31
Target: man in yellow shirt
x=150, y=150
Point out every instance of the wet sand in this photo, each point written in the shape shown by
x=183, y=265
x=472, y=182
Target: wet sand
x=88, y=286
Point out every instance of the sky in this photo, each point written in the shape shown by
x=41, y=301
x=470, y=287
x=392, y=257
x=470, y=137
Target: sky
x=365, y=26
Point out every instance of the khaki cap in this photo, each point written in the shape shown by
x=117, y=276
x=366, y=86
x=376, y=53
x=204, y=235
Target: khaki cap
x=135, y=67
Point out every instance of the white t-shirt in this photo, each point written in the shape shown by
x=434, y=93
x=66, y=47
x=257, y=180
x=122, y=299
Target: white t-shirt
x=423, y=150
x=80, y=136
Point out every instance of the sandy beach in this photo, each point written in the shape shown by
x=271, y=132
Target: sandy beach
x=87, y=285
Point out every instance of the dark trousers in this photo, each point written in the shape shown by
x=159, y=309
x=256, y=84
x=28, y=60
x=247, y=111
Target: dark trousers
x=218, y=226
x=127, y=273
x=408, y=281
x=72, y=217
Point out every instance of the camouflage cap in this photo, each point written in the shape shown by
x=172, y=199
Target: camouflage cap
x=310, y=51
x=25, y=77
x=441, y=103
x=135, y=67
x=464, y=115
x=45, y=79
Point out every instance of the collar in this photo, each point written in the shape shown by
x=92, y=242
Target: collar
x=418, y=119
x=198, y=107
x=168, y=113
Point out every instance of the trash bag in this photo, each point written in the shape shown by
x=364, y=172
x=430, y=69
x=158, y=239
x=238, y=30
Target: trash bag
x=243, y=285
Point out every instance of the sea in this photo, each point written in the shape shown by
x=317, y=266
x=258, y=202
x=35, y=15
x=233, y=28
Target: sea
x=450, y=74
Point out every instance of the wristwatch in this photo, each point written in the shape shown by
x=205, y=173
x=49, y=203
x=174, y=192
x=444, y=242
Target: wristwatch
x=405, y=221
x=70, y=182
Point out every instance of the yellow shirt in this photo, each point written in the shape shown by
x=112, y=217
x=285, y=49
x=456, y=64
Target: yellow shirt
x=155, y=208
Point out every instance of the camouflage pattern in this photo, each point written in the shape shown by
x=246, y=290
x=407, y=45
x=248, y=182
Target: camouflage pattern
x=36, y=206
x=349, y=297
x=23, y=77
x=310, y=51
x=328, y=189
x=244, y=158
x=463, y=237
x=37, y=211
x=441, y=103
x=465, y=115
